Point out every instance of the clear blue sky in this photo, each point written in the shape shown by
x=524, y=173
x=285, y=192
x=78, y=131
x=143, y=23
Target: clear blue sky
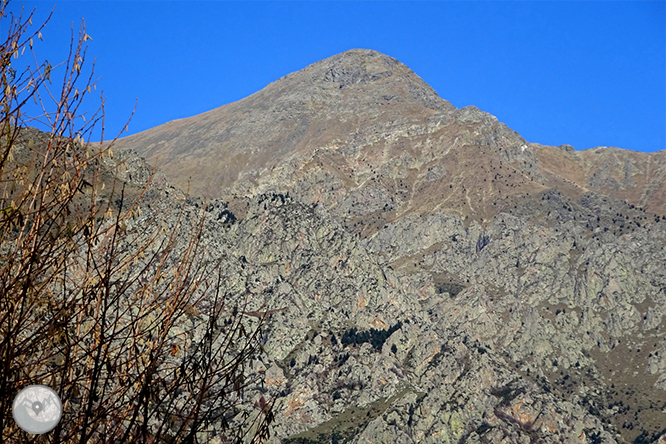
x=583, y=73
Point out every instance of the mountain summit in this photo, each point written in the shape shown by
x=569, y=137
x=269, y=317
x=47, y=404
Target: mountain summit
x=355, y=128
x=438, y=277
x=293, y=116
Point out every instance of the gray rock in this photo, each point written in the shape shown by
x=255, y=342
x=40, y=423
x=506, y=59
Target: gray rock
x=436, y=277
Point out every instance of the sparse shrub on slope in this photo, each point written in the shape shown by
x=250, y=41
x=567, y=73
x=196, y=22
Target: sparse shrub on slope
x=375, y=337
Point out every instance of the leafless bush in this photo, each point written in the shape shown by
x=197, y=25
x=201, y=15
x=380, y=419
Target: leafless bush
x=126, y=322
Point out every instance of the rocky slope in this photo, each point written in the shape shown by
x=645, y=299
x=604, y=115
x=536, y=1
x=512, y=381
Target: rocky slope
x=443, y=279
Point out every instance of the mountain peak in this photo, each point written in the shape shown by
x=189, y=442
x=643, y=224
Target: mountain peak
x=355, y=66
x=366, y=137
x=366, y=73
x=326, y=101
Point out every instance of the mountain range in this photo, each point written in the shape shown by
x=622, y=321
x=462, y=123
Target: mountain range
x=443, y=279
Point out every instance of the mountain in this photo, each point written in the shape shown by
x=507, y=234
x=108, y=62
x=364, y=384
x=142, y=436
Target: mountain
x=363, y=123
x=443, y=279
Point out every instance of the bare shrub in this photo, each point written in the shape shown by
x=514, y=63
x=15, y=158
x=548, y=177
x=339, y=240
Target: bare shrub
x=126, y=321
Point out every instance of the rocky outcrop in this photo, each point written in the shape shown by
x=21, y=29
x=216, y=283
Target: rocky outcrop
x=434, y=277
x=504, y=332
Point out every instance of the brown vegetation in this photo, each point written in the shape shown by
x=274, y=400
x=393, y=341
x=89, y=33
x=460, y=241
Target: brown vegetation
x=140, y=344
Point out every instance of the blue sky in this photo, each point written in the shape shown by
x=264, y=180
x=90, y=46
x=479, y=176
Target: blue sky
x=583, y=73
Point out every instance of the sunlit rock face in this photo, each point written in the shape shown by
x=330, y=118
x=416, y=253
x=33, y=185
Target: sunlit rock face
x=438, y=278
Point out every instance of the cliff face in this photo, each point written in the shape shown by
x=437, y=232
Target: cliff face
x=443, y=279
